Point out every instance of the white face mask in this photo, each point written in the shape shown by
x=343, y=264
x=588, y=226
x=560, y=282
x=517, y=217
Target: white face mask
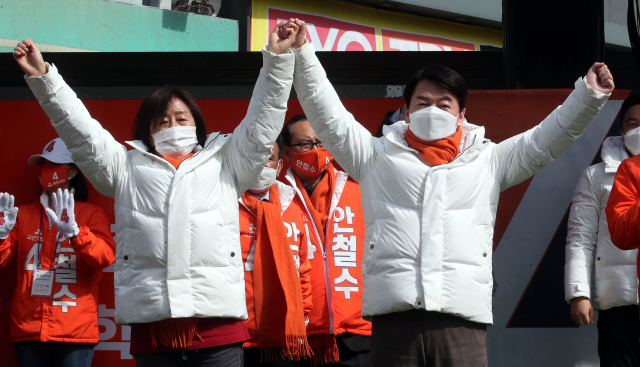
x=265, y=180
x=632, y=140
x=432, y=123
x=176, y=142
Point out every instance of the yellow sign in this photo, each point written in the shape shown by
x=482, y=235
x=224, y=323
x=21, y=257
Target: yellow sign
x=338, y=26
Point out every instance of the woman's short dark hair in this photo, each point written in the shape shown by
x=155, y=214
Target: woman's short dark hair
x=628, y=103
x=154, y=108
x=81, y=193
x=287, y=132
x=449, y=79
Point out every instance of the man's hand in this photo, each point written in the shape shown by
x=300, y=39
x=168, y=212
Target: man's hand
x=8, y=214
x=582, y=311
x=281, y=38
x=301, y=36
x=29, y=58
x=64, y=217
x=599, y=78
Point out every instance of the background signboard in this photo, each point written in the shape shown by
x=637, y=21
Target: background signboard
x=339, y=26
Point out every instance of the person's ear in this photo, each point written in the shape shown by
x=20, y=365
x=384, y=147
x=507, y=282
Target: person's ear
x=280, y=164
x=287, y=155
x=622, y=134
x=72, y=172
x=406, y=115
x=461, y=117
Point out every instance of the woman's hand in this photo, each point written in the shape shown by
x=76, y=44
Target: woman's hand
x=281, y=38
x=29, y=58
x=599, y=78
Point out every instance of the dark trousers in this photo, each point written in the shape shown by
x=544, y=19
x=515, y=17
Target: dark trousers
x=353, y=349
x=53, y=354
x=618, y=336
x=229, y=355
x=424, y=338
x=252, y=359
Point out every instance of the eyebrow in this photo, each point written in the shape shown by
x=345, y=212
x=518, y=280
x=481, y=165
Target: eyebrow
x=443, y=97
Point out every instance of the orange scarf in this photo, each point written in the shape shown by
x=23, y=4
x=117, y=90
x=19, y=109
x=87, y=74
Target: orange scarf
x=176, y=161
x=436, y=152
x=174, y=333
x=323, y=346
x=277, y=294
x=319, y=203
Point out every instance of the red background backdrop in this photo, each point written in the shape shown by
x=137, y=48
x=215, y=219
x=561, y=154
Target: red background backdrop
x=25, y=130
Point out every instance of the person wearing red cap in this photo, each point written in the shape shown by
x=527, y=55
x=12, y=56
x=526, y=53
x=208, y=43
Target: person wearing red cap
x=62, y=244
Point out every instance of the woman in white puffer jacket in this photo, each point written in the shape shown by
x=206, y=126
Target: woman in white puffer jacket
x=179, y=277
x=597, y=274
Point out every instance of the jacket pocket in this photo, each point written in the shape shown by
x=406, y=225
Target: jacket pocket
x=370, y=255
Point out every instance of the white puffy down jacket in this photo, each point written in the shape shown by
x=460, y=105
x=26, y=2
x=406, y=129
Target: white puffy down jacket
x=594, y=267
x=429, y=230
x=177, y=233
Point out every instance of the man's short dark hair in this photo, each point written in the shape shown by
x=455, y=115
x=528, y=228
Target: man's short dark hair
x=280, y=144
x=628, y=103
x=154, y=108
x=450, y=80
x=287, y=133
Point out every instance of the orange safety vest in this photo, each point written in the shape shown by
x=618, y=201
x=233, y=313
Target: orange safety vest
x=71, y=314
x=294, y=223
x=336, y=275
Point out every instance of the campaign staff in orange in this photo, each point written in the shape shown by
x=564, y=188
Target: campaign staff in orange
x=276, y=269
x=61, y=244
x=331, y=201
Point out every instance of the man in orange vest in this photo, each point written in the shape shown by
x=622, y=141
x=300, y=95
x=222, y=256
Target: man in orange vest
x=277, y=284
x=332, y=202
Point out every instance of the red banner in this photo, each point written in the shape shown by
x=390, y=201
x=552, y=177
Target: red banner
x=329, y=34
x=407, y=41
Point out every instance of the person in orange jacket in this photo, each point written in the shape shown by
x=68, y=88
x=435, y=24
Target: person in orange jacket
x=62, y=245
x=332, y=202
x=277, y=269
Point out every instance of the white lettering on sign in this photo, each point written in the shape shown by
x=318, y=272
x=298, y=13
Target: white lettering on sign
x=315, y=38
x=105, y=319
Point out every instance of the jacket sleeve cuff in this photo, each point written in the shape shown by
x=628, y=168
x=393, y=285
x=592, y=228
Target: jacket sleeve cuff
x=577, y=291
x=278, y=66
x=46, y=85
x=304, y=54
x=588, y=95
x=81, y=239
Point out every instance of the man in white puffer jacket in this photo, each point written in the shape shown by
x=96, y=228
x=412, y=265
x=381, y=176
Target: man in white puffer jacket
x=598, y=274
x=429, y=227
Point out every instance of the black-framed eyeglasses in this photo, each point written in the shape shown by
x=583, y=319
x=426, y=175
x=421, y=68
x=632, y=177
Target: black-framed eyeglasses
x=308, y=145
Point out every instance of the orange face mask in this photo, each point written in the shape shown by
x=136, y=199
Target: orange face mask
x=52, y=176
x=312, y=163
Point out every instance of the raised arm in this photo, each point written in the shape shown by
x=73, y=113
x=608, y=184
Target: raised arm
x=582, y=238
x=623, y=211
x=522, y=156
x=348, y=142
x=98, y=155
x=252, y=141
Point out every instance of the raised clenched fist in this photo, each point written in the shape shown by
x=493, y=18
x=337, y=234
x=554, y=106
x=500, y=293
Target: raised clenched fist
x=599, y=78
x=29, y=58
x=282, y=37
